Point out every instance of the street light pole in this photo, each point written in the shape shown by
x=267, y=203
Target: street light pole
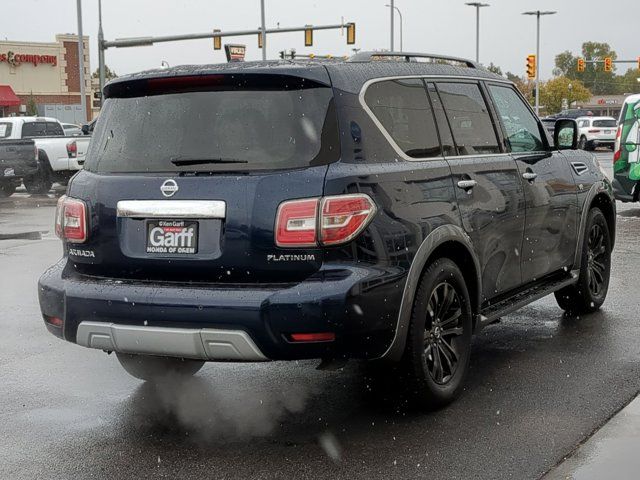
x=83, y=98
x=392, y=10
x=538, y=14
x=478, y=6
x=101, y=71
x=401, y=22
x=264, y=32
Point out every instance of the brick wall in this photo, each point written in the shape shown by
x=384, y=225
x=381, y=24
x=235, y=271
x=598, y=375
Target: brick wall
x=73, y=76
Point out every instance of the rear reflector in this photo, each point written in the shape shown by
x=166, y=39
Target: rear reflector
x=313, y=337
x=55, y=321
x=323, y=221
x=71, y=220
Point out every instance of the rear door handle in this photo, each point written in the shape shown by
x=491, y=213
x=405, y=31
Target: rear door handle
x=530, y=176
x=467, y=184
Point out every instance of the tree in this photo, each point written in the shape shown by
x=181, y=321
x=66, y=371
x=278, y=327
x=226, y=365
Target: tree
x=554, y=91
x=108, y=73
x=628, y=83
x=524, y=85
x=32, y=106
x=495, y=69
x=594, y=77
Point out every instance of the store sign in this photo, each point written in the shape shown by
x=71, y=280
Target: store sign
x=235, y=53
x=16, y=59
x=602, y=101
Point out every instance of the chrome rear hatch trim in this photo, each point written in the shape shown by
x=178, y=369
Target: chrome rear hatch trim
x=172, y=209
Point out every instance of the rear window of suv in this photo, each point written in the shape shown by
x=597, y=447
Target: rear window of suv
x=605, y=123
x=225, y=124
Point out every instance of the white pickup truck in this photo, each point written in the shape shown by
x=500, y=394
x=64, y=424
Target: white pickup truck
x=59, y=156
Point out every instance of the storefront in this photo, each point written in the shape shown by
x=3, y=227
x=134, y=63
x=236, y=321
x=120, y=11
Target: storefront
x=44, y=78
x=603, y=105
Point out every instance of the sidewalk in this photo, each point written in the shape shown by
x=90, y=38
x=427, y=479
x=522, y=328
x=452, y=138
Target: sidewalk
x=613, y=452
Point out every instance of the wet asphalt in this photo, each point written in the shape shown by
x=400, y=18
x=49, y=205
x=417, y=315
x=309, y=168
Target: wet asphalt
x=540, y=384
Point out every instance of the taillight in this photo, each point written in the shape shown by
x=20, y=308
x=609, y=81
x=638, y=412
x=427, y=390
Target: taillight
x=323, y=221
x=296, y=223
x=71, y=220
x=344, y=217
x=35, y=151
x=618, y=148
x=72, y=149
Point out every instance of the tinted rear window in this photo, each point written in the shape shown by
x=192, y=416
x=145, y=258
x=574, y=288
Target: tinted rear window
x=469, y=118
x=34, y=129
x=236, y=128
x=605, y=123
x=403, y=109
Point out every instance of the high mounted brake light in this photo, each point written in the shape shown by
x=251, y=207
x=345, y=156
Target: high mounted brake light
x=325, y=221
x=71, y=220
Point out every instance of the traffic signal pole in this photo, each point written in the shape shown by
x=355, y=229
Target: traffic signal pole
x=538, y=63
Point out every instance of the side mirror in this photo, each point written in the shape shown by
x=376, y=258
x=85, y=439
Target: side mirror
x=85, y=129
x=565, y=135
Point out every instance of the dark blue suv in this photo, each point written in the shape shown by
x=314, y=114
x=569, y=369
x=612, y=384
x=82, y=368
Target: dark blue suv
x=384, y=208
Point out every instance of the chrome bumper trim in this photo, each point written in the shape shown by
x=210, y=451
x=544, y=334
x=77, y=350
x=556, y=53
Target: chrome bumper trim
x=201, y=344
x=172, y=209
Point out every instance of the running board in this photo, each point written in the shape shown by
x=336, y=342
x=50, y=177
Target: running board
x=491, y=313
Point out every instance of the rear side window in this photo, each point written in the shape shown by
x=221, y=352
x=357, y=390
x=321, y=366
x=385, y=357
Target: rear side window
x=469, y=118
x=54, y=129
x=403, y=109
x=521, y=127
x=605, y=123
x=226, y=124
x=5, y=130
x=34, y=129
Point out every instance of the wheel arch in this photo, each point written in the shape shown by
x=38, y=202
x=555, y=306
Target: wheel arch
x=605, y=204
x=448, y=241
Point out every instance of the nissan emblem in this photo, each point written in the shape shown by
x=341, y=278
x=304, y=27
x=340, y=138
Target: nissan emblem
x=169, y=188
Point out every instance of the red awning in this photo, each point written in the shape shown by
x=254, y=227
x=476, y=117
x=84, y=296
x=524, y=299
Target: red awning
x=7, y=97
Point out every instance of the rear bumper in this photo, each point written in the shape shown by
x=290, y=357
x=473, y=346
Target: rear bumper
x=358, y=304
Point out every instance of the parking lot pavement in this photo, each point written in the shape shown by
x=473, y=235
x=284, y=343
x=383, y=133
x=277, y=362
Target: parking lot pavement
x=540, y=384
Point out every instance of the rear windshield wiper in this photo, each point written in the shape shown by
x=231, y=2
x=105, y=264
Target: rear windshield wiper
x=186, y=162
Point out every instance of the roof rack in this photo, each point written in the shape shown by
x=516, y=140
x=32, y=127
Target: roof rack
x=409, y=57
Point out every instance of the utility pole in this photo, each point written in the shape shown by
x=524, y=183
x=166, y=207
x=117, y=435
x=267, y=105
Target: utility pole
x=401, y=22
x=392, y=9
x=478, y=6
x=101, y=72
x=264, y=32
x=538, y=14
x=81, y=61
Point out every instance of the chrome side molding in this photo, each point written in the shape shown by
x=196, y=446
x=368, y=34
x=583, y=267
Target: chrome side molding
x=172, y=209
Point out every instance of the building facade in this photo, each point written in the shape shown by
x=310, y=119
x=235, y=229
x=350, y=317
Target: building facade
x=46, y=74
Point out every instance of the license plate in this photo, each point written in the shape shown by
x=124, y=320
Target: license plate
x=173, y=237
x=607, y=132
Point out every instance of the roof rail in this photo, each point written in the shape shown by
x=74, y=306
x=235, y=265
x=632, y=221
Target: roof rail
x=408, y=57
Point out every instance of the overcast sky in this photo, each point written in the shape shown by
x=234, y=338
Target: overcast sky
x=435, y=26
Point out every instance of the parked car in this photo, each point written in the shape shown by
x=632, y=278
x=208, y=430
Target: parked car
x=59, y=156
x=572, y=113
x=596, y=132
x=626, y=157
x=18, y=158
x=72, y=130
x=369, y=208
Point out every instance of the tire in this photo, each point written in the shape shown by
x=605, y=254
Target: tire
x=589, y=293
x=582, y=143
x=40, y=182
x=7, y=189
x=149, y=368
x=441, y=305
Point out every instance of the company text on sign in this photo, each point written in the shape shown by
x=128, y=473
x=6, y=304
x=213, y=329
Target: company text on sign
x=16, y=59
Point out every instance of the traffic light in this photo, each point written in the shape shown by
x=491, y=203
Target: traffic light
x=217, y=41
x=531, y=66
x=308, y=36
x=260, y=40
x=608, y=64
x=351, y=34
x=581, y=65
